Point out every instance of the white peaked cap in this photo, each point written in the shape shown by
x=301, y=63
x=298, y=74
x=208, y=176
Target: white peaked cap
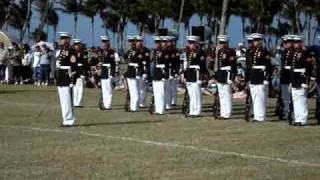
x=193, y=38
x=104, y=38
x=76, y=41
x=64, y=34
x=223, y=38
x=257, y=36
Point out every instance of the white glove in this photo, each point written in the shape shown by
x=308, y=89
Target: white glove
x=229, y=82
x=199, y=82
x=176, y=76
x=138, y=77
x=163, y=79
x=71, y=85
x=58, y=64
x=305, y=86
x=144, y=76
x=82, y=77
x=110, y=77
x=171, y=77
x=265, y=82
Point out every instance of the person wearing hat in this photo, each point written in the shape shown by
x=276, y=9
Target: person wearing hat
x=193, y=75
x=158, y=80
x=143, y=55
x=107, y=73
x=66, y=68
x=259, y=71
x=132, y=75
x=285, y=75
x=82, y=66
x=226, y=69
x=299, y=82
x=173, y=72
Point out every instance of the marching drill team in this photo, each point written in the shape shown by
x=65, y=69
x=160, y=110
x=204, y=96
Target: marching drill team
x=162, y=67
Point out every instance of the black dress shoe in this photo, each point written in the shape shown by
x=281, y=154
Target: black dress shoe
x=298, y=124
x=66, y=126
x=79, y=106
x=193, y=116
x=105, y=109
x=173, y=105
x=256, y=121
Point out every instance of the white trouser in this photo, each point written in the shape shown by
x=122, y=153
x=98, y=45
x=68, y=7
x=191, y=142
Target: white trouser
x=159, y=96
x=174, y=91
x=259, y=101
x=168, y=97
x=285, y=97
x=194, y=91
x=78, y=92
x=66, y=105
x=134, y=94
x=300, y=105
x=7, y=75
x=225, y=97
x=142, y=92
x=106, y=88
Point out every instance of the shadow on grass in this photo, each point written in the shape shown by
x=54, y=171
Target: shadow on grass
x=26, y=91
x=117, y=123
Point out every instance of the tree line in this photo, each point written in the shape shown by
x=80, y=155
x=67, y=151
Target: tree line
x=274, y=18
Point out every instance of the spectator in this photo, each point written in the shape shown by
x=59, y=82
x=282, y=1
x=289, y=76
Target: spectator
x=53, y=59
x=45, y=66
x=14, y=59
x=36, y=65
x=26, y=61
x=3, y=63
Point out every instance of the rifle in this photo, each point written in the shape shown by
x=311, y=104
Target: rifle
x=127, y=100
x=216, y=103
x=290, y=113
x=186, y=102
x=151, y=107
x=248, y=104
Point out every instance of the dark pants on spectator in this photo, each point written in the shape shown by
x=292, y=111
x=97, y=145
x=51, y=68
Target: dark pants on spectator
x=2, y=72
x=17, y=73
x=44, y=72
x=26, y=72
x=318, y=103
x=36, y=74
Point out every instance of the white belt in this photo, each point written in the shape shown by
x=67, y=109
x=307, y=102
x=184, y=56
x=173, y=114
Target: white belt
x=301, y=70
x=259, y=67
x=106, y=65
x=160, y=66
x=287, y=67
x=194, y=67
x=133, y=64
x=225, y=68
x=64, y=67
x=80, y=64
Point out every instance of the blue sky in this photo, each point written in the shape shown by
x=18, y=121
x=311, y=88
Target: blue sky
x=84, y=28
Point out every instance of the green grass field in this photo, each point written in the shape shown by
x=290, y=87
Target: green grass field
x=119, y=145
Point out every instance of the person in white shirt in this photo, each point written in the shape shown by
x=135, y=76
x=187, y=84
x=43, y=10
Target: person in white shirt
x=36, y=65
x=3, y=63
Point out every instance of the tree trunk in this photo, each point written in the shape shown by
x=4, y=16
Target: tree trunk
x=180, y=15
x=223, y=20
x=243, y=22
x=75, y=22
x=27, y=20
x=92, y=31
x=309, y=29
x=54, y=33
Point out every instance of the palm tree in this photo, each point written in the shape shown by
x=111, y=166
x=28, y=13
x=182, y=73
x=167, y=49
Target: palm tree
x=43, y=7
x=4, y=4
x=18, y=16
x=53, y=20
x=223, y=21
x=72, y=7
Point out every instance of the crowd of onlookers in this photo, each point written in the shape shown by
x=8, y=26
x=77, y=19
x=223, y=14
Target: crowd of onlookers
x=22, y=64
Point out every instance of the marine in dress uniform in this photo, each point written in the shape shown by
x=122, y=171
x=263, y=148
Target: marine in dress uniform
x=107, y=73
x=173, y=65
x=299, y=82
x=82, y=63
x=66, y=69
x=259, y=65
x=143, y=55
x=158, y=82
x=226, y=71
x=132, y=74
x=285, y=74
x=193, y=75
